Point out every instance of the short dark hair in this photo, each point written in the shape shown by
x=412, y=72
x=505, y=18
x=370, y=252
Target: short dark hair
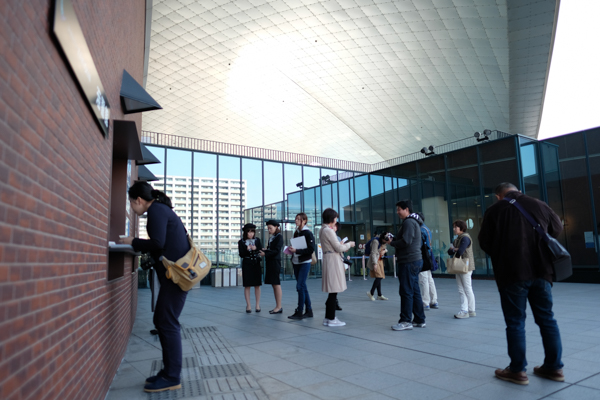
x=404, y=204
x=460, y=224
x=504, y=187
x=329, y=215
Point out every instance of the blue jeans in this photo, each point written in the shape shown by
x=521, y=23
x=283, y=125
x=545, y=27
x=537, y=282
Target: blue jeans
x=514, y=303
x=410, y=294
x=301, y=273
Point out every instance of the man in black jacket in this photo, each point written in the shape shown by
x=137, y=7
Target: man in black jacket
x=410, y=262
x=523, y=271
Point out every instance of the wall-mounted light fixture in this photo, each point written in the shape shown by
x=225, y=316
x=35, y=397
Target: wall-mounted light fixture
x=483, y=136
x=428, y=151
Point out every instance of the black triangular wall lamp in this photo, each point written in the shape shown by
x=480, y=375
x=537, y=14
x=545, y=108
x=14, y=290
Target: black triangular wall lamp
x=134, y=98
x=149, y=158
x=145, y=175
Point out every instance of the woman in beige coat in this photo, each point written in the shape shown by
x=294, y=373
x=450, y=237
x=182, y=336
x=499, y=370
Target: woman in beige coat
x=334, y=279
x=375, y=264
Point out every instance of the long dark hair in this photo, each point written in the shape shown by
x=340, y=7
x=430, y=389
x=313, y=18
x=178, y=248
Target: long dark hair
x=145, y=191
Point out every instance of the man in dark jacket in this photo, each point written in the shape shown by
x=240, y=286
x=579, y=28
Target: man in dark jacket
x=523, y=271
x=410, y=262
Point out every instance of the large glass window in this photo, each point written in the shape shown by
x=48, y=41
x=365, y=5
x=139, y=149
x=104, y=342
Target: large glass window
x=293, y=189
x=529, y=170
x=346, y=200
x=230, y=211
x=273, y=182
x=205, y=203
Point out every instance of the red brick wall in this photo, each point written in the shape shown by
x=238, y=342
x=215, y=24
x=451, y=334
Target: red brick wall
x=63, y=327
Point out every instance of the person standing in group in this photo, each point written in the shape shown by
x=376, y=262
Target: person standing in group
x=410, y=262
x=463, y=247
x=272, y=256
x=301, y=262
x=334, y=278
x=249, y=248
x=426, y=283
x=167, y=238
x=375, y=264
x=523, y=271
x=345, y=259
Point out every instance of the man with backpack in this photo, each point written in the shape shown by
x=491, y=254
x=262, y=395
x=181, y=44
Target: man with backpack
x=426, y=284
x=410, y=261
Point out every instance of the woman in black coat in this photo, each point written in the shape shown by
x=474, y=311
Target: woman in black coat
x=249, y=248
x=272, y=256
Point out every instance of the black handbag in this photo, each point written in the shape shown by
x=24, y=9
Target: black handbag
x=561, y=259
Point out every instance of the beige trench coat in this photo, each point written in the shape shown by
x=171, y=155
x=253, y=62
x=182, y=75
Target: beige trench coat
x=374, y=260
x=334, y=278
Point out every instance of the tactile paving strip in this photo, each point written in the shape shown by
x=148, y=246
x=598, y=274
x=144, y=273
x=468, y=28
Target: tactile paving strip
x=221, y=371
x=216, y=372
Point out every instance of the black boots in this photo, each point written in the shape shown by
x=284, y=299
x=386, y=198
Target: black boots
x=297, y=315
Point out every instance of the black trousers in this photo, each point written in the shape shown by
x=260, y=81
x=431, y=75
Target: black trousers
x=330, y=306
x=376, y=285
x=169, y=305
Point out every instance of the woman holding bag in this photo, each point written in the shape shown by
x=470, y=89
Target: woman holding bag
x=462, y=247
x=375, y=264
x=168, y=238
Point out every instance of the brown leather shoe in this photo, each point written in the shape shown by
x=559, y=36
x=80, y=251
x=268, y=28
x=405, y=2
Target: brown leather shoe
x=554, y=375
x=520, y=378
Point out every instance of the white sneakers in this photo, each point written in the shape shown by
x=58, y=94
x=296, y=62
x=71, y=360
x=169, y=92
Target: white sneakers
x=461, y=315
x=333, y=322
x=402, y=326
x=378, y=297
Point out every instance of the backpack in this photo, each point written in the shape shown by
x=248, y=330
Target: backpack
x=429, y=261
x=368, y=246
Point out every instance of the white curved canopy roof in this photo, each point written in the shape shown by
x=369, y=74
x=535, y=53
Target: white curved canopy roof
x=360, y=80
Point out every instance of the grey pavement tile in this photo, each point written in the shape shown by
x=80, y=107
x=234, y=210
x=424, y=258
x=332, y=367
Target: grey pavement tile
x=340, y=369
x=294, y=394
x=415, y=390
x=311, y=359
x=128, y=393
x=576, y=392
x=449, y=381
x=371, y=396
x=335, y=389
x=374, y=379
x=302, y=378
x=126, y=375
x=273, y=386
x=410, y=371
x=274, y=367
x=592, y=382
x=501, y=390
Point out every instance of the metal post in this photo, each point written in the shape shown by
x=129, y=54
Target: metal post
x=349, y=274
x=364, y=268
x=394, y=261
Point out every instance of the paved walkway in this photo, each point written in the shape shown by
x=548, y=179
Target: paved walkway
x=229, y=354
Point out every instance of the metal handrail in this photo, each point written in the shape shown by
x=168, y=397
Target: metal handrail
x=183, y=142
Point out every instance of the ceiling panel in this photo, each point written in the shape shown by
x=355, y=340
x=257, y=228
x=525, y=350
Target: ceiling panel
x=356, y=80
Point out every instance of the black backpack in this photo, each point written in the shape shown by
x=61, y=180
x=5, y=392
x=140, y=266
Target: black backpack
x=429, y=262
x=368, y=246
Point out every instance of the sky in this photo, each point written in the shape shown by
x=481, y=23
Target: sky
x=572, y=94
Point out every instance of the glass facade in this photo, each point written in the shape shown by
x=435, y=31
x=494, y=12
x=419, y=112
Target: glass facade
x=216, y=195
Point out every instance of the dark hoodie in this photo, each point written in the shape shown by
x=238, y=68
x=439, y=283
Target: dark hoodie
x=408, y=240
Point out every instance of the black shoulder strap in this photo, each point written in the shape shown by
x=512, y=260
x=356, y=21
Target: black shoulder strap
x=529, y=218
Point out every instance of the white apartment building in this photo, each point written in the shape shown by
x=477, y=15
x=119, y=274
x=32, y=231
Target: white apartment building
x=202, y=203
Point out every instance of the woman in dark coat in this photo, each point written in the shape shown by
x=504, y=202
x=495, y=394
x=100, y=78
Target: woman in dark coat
x=249, y=248
x=168, y=238
x=272, y=256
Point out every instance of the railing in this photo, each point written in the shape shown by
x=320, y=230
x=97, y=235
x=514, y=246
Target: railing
x=182, y=142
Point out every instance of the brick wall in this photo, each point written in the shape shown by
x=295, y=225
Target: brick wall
x=63, y=327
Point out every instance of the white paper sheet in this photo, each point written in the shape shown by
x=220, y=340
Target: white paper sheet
x=298, y=243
